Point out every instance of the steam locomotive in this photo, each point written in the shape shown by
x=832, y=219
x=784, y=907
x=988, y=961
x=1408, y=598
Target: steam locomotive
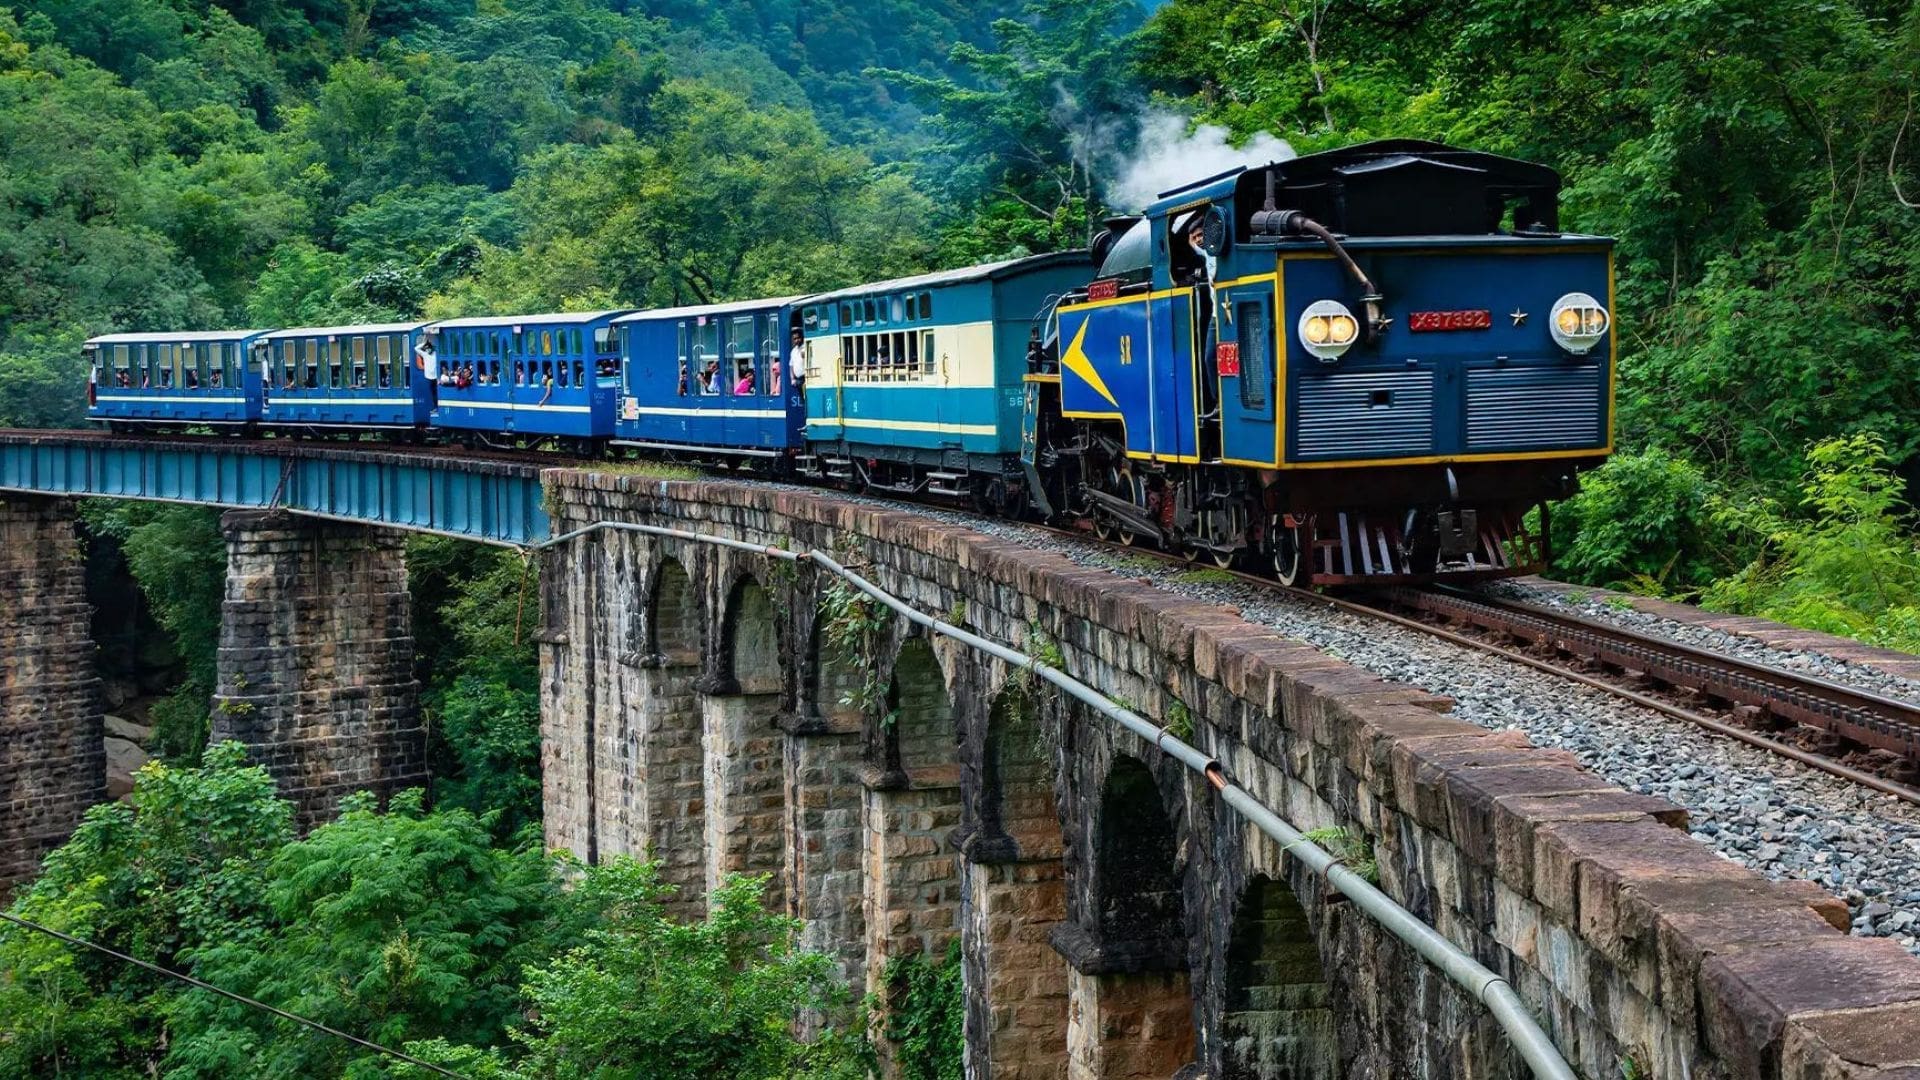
x=1367, y=364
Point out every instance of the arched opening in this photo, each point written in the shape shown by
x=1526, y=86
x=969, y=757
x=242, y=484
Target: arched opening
x=674, y=624
x=912, y=900
x=671, y=765
x=1015, y=895
x=745, y=774
x=751, y=641
x=1139, y=881
x=1132, y=1012
x=1276, y=1022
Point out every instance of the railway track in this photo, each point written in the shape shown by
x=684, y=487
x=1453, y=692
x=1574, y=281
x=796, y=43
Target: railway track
x=1854, y=734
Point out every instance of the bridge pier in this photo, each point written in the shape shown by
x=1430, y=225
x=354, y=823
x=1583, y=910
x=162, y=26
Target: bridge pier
x=52, y=760
x=315, y=671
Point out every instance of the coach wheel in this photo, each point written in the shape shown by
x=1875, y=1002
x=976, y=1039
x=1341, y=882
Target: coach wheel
x=1288, y=553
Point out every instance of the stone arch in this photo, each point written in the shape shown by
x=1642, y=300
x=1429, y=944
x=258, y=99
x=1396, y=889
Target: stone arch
x=750, y=639
x=911, y=811
x=1277, y=1021
x=671, y=769
x=1137, y=876
x=673, y=623
x=744, y=777
x=1132, y=1008
x=829, y=684
x=1015, y=897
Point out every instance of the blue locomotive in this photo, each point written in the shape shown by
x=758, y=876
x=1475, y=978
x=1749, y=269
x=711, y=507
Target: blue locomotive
x=1364, y=364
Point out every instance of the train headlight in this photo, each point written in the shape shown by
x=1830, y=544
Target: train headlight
x=1328, y=329
x=1578, y=322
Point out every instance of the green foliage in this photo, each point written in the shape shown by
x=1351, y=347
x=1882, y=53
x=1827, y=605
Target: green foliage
x=1643, y=521
x=856, y=627
x=1350, y=847
x=180, y=865
x=1179, y=720
x=647, y=998
x=491, y=723
x=926, y=1015
x=179, y=559
x=346, y=939
x=1850, y=566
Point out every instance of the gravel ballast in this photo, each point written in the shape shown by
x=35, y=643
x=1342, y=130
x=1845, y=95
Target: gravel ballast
x=1778, y=817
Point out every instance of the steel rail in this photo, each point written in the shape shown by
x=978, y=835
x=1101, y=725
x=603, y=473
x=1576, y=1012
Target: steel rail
x=1750, y=738
x=1530, y=1041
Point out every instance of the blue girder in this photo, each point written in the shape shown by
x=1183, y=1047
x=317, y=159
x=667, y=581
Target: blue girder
x=497, y=502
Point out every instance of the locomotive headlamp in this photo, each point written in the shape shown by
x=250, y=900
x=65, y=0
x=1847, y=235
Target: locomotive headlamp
x=1328, y=329
x=1578, y=322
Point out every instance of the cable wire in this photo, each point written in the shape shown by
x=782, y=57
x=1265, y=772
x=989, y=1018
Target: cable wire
x=247, y=1001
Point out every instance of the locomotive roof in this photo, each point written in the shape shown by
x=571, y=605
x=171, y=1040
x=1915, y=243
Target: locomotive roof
x=336, y=331
x=173, y=335
x=728, y=308
x=564, y=318
x=961, y=276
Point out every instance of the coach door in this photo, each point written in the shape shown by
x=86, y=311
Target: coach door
x=1245, y=361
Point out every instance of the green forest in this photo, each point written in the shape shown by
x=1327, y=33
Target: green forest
x=203, y=164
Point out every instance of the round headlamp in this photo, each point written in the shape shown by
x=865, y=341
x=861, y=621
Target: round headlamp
x=1328, y=329
x=1578, y=322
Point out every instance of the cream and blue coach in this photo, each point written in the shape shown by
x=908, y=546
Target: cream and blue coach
x=915, y=385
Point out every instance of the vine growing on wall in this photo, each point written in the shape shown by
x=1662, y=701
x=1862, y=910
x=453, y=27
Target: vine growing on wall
x=856, y=629
x=926, y=1020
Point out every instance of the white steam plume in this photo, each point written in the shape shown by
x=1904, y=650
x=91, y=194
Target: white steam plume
x=1166, y=155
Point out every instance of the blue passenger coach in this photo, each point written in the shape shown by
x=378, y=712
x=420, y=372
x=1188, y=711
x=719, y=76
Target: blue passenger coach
x=915, y=384
x=711, y=379
x=187, y=378
x=340, y=377
x=506, y=378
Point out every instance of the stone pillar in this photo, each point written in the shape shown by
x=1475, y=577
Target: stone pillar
x=316, y=659
x=1128, y=1026
x=1017, y=981
x=824, y=835
x=52, y=762
x=913, y=885
x=744, y=785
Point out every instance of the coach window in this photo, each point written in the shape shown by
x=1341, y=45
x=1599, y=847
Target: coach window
x=122, y=366
x=546, y=343
x=310, y=364
x=899, y=309
x=926, y=352
x=926, y=305
x=359, y=361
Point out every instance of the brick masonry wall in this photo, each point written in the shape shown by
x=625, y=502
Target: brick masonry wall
x=315, y=671
x=52, y=761
x=1632, y=942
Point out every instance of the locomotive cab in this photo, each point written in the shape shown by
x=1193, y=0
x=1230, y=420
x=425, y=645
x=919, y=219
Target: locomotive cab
x=1365, y=363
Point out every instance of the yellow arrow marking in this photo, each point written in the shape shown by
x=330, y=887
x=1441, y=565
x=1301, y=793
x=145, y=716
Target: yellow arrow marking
x=1075, y=360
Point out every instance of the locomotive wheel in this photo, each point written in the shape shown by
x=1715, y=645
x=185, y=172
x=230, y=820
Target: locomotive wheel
x=1288, y=554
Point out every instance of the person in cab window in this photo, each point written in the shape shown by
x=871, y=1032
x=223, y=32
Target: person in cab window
x=166, y=378
x=546, y=383
x=193, y=379
x=1201, y=278
x=744, y=385
x=796, y=362
x=710, y=378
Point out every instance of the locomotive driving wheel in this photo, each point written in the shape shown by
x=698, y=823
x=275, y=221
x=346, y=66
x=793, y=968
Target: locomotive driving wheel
x=1288, y=547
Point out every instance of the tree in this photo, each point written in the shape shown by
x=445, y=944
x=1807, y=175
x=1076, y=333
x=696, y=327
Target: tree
x=179, y=865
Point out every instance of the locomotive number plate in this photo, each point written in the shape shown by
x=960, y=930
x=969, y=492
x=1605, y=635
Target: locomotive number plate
x=1421, y=321
x=1103, y=290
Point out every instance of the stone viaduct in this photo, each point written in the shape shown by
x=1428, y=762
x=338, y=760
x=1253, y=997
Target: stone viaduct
x=725, y=711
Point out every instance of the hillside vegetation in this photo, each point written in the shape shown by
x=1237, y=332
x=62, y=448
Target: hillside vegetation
x=190, y=164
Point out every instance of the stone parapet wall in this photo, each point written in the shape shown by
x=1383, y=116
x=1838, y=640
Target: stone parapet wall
x=52, y=757
x=315, y=665
x=1639, y=948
